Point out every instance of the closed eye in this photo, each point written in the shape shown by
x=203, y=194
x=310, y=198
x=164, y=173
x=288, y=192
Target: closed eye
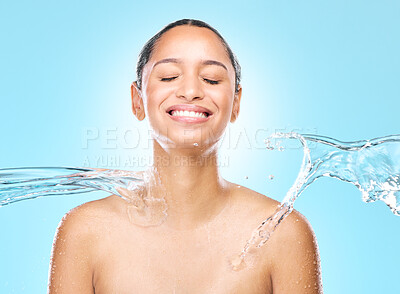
x=168, y=79
x=212, y=82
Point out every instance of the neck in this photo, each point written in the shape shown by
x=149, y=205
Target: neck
x=191, y=185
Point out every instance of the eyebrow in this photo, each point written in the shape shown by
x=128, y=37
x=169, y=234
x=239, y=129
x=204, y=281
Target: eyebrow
x=205, y=62
x=168, y=60
x=214, y=62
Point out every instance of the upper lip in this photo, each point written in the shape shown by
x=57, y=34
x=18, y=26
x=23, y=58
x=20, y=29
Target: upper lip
x=189, y=107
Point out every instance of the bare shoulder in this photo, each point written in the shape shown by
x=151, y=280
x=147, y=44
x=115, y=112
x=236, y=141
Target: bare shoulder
x=85, y=216
x=296, y=233
x=296, y=263
x=75, y=244
x=253, y=202
x=292, y=250
x=294, y=228
x=83, y=222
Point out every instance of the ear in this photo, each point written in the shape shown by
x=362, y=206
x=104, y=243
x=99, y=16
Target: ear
x=236, y=104
x=137, y=102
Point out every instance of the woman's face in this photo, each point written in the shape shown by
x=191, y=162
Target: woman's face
x=188, y=88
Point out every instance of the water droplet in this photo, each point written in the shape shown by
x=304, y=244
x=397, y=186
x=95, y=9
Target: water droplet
x=268, y=144
x=195, y=144
x=281, y=148
x=246, y=177
x=271, y=177
x=263, y=234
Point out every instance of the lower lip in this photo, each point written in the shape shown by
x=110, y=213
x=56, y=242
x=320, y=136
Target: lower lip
x=189, y=119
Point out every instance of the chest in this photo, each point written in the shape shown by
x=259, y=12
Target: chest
x=176, y=264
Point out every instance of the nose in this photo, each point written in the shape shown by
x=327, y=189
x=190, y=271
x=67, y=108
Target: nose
x=190, y=88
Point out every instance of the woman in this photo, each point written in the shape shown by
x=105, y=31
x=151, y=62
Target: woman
x=189, y=89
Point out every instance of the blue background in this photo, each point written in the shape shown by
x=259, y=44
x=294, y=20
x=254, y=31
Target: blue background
x=325, y=67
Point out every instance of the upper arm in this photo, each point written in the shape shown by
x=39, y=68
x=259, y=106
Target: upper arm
x=71, y=259
x=296, y=265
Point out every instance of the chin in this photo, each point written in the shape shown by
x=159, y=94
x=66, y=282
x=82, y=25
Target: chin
x=187, y=138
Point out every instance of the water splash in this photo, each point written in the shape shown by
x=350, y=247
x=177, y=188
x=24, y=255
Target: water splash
x=17, y=184
x=373, y=166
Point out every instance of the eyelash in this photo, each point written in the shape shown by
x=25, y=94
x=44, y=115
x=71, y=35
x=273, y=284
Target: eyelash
x=167, y=79
x=212, y=82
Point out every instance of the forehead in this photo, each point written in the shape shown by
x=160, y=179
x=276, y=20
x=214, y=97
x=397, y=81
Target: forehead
x=190, y=41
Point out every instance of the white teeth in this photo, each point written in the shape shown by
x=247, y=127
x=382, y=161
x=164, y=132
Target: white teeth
x=188, y=113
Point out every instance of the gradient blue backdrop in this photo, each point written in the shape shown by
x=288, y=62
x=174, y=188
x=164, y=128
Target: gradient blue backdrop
x=326, y=67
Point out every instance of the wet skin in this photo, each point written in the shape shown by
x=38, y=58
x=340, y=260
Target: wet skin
x=98, y=250
x=103, y=252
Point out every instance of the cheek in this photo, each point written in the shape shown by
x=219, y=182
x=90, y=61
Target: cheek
x=223, y=98
x=155, y=97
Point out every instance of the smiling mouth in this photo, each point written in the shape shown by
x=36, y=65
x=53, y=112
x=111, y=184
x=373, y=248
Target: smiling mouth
x=189, y=111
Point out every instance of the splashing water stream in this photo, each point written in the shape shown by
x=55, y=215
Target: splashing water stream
x=373, y=166
x=18, y=184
